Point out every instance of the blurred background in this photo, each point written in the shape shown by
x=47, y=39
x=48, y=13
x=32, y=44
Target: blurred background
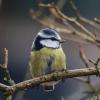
x=17, y=30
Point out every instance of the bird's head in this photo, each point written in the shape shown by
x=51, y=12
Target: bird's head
x=47, y=38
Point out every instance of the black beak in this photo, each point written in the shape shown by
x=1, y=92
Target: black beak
x=62, y=41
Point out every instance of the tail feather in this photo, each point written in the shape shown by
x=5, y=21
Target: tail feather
x=49, y=86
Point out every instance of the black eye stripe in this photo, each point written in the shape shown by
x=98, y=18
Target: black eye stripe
x=52, y=38
x=37, y=42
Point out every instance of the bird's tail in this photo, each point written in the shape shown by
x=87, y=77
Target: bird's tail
x=49, y=86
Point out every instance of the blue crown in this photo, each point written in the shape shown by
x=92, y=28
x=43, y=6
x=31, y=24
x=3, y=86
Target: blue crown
x=49, y=31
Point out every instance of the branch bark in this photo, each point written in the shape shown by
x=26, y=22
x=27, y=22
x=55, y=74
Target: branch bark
x=7, y=77
x=75, y=26
x=46, y=78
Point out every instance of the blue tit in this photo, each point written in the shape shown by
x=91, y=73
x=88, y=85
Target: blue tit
x=47, y=56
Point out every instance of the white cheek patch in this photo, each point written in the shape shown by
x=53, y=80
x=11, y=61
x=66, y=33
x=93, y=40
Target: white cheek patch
x=49, y=43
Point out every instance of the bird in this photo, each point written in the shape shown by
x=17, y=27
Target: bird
x=47, y=56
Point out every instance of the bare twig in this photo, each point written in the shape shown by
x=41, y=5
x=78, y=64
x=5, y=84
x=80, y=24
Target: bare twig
x=58, y=14
x=94, y=23
x=7, y=76
x=82, y=19
x=75, y=27
x=96, y=64
x=97, y=20
x=74, y=8
x=85, y=60
x=46, y=78
x=83, y=57
x=5, y=58
x=66, y=30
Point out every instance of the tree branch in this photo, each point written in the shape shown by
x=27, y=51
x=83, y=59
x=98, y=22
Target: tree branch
x=58, y=14
x=46, y=78
x=94, y=23
x=75, y=27
x=7, y=77
x=97, y=20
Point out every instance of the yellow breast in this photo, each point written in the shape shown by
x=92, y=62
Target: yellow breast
x=39, y=60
